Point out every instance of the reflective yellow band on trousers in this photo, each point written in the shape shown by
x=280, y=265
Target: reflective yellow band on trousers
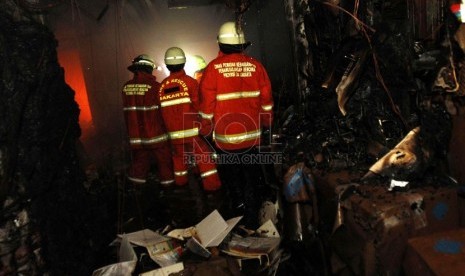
x=143, y=108
x=206, y=116
x=208, y=173
x=237, y=138
x=175, y=102
x=137, y=180
x=237, y=95
x=156, y=139
x=180, y=173
x=166, y=182
x=184, y=133
x=267, y=107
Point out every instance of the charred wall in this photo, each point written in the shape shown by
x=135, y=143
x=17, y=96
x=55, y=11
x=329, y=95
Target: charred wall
x=47, y=219
x=367, y=73
x=109, y=42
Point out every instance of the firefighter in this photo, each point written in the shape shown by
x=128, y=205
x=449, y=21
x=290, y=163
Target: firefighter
x=147, y=134
x=200, y=65
x=237, y=104
x=179, y=101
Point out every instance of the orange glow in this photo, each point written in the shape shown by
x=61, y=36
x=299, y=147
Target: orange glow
x=74, y=77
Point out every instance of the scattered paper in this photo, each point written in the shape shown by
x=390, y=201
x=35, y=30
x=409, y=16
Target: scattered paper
x=219, y=239
x=209, y=232
x=182, y=234
x=124, y=268
x=164, y=271
x=165, y=253
x=396, y=183
x=210, y=227
x=144, y=237
x=252, y=246
x=268, y=229
x=195, y=247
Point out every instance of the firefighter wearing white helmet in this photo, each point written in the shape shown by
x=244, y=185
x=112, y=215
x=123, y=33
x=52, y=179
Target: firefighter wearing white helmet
x=229, y=34
x=237, y=102
x=145, y=128
x=179, y=102
x=175, y=56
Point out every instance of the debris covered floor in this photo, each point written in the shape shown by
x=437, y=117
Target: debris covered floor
x=372, y=114
x=153, y=208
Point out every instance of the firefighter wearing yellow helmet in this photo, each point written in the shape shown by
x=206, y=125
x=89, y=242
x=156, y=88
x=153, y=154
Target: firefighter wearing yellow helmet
x=179, y=102
x=200, y=65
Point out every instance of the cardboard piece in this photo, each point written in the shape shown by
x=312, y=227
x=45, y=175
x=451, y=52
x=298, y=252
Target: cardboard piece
x=441, y=253
x=384, y=221
x=378, y=224
x=440, y=208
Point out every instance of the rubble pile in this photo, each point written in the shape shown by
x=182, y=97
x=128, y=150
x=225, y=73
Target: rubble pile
x=365, y=86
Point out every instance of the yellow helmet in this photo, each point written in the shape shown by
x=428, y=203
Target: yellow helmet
x=174, y=56
x=228, y=34
x=199, y=62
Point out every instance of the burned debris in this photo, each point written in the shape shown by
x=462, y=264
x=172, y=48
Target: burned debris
x=365, y=134
x=43, y=221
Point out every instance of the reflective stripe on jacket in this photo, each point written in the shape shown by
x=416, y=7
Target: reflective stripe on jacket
x=141, y=109
x=178, y=95
x=236, y=95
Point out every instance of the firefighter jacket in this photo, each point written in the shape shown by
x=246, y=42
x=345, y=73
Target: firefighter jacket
x=179, y=101
x=236, y=95
x=142, y=112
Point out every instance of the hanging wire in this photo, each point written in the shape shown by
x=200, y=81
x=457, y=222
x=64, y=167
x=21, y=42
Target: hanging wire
x=379, y=77
x=358, y=21
x=123, y=181
x=452, y=63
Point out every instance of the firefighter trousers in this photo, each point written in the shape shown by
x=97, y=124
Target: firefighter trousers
x=196, y=151
x=244, y=184
x=142, y=160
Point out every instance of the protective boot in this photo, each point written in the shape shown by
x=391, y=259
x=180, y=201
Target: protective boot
x=232, y=188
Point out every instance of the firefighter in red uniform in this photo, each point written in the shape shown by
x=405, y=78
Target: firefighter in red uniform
x=237, y=102
x=200, y=65
x=147, y=134
x=179, y=101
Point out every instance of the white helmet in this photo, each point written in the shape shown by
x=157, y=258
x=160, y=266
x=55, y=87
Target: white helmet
x=175, y=56
x=228, y=34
